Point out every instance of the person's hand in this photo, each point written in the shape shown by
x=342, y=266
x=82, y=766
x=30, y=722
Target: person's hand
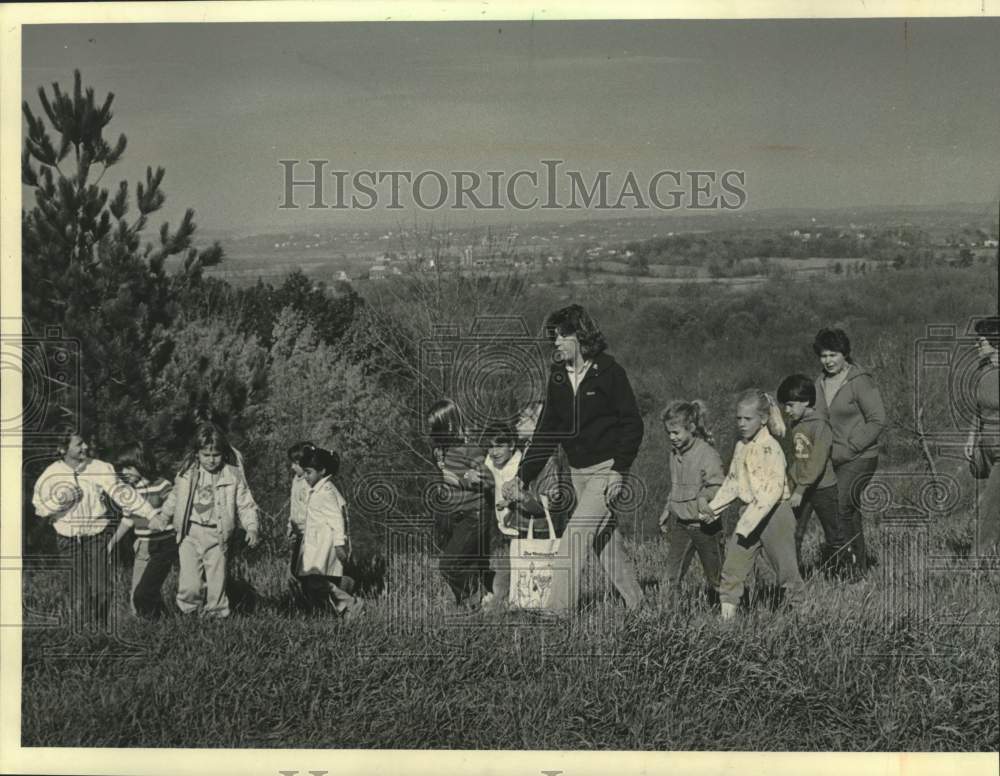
x=341, y=554
x=664, y=517
x=252, y=537
x=158, y=522
x=290, y=530
x=795, y=501
x=706, y=514
x=450, y=477
x=970, y=447
x=111, y=546
x=513, y=490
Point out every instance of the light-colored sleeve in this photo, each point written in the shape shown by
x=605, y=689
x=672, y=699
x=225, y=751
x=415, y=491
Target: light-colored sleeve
x=766, y=467
x=326, y=507
x=246, y=507
x=45, y=497
x=124, y=495
x=729, y=490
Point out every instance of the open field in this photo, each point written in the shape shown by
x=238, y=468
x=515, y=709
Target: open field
x=838, y=676
x=905, y=660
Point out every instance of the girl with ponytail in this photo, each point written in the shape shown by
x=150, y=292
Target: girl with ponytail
x=695, y=475
x=758, y=481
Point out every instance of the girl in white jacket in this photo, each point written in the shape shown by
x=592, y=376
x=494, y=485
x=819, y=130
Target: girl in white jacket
x=757, y=478
x=323, y=551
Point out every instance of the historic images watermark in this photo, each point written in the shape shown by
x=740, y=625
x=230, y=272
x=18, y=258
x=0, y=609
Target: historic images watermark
x=550, y=187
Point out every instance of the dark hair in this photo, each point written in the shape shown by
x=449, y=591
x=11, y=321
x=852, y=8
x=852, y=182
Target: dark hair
x=693, y=414
x=321, y=460
x=138, y=456
x=767, y=407
x=208, y=435
x=445, y=424
x=499, y=434
x=296, y=451
x=835, y=340
x=990, y=329
x=797, y=388
x=575, y=320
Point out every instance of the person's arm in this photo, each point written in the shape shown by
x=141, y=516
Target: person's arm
x=729, y=490
x=123, y=528
x=124, y=495
x=872, y=410
x=246, y=510
x=630, y=425
x=807, y=471
x=543, y=443
x=766, y=467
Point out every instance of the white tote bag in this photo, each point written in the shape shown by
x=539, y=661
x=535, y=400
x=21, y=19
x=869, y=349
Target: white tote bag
x=533, y=567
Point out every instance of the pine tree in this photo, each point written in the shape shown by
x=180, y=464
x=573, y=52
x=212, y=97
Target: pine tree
x=86, y=268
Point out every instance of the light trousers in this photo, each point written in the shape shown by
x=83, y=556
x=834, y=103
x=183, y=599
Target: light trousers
x=201, y=583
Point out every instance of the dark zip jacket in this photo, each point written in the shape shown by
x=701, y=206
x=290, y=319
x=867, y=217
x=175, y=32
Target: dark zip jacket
x=600, y=422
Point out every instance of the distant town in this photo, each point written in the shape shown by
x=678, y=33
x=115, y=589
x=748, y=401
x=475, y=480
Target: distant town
x=742, y=246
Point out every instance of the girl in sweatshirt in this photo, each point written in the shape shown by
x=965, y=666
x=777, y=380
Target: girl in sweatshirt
x=757, y=480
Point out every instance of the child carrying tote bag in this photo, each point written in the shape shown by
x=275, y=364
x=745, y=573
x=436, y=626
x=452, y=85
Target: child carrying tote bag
x=539, y=571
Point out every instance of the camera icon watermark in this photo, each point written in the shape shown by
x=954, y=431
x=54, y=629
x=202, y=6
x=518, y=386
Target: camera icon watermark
x=946, y=377
x=49, y=366
x=491, y=372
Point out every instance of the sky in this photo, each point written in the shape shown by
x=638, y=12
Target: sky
x=817, y=114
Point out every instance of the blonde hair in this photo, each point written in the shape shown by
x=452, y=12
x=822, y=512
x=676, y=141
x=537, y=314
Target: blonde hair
x=693, y=414
x=767, y=406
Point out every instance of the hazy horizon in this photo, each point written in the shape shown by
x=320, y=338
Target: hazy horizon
x=820, y=114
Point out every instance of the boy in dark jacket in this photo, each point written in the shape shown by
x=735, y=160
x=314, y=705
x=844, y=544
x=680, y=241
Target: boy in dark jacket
x=811, y=479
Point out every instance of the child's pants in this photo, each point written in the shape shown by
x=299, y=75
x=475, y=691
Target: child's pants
x=154, y=557
x=776, y=537
x=592, y=528
x=824, y=502
x=322, y=591
x=92, y=578
x=202, y=578
x=465, y=559
x=683, y=540
x=501, y=571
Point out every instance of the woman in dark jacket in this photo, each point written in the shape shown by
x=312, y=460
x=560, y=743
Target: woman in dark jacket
x=847, y=396
x=591, y=412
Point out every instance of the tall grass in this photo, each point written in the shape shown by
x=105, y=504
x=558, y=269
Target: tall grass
x=836, y=676
x=846, y=673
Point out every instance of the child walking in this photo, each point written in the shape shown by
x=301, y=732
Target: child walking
x=297, y=501
x=811, y=478
x=757, y=479
x=465, y=555
x=155, y=550
x=323, y=549
x=695, y=476
x=209, y=496
x=502, y=461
